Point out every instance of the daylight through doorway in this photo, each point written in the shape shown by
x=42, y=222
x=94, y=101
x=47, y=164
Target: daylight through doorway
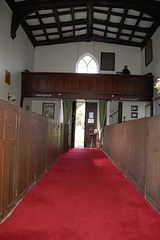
x=80, y=124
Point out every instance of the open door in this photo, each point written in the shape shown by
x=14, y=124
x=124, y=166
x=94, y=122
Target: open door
x=73, y=123
x=90, y=122
x=79, y=124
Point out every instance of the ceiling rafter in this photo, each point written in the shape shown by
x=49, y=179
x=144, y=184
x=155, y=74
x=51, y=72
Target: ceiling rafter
x=125, y=26
x=29, y=33
x=107, y=21
x=58, y=23
x=54, y=25
x=149, y=35
x=90, y=19
x=151, y=8
x=30, y=17
x=131, y=22
x=41, y=23
x=135, y=26
x=121, y=24
x=73, y=21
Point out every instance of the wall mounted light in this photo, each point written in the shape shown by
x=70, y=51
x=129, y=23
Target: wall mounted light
x=11, y=99
x=129, y=99
x=43, y=95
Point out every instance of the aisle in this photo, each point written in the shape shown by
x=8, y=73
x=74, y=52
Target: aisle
x=83, y=197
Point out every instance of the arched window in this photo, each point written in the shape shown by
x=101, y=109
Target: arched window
x=87, y=64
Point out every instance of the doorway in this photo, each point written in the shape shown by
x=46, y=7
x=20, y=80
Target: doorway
x=79, y=124
x=90, y=123
x=84, y=121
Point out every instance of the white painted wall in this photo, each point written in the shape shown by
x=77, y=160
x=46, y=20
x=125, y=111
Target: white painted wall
x=154, y=66
x=113, y=109
x=126, y=110
x=143, y=111
x=15, y=55
x=37, y=106
x=27, y=104
x=63, y=57
x=18, y=54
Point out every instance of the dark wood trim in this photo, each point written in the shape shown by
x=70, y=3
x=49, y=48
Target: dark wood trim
x=21, y=12
x=157, y=98
x=87, y=86
x=73, y=123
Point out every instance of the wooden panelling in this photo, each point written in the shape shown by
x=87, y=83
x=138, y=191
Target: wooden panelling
x=23, y=169
x=29, y=145
x=40, y=164
x=153, y=166
x=134, y=147
x=33, y=152
x=32, y=160
x=11, y=124
x=2, y=122
x=9, y=150
x=50, y=154
x=74, y=84
x=2, y=157
x=24, y=131
x=1, y=180
x=90, y=86
x=9, y=178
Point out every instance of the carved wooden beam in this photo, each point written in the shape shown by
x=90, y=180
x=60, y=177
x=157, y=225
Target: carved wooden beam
x=90, y=19
x=22, y=9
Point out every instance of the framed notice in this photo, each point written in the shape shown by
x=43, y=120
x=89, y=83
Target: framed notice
x=134, y=108
x=90, y=120
x=107, y=61
x=48, y=110
x=7, y=77
x=134, y=115
x=91, y=115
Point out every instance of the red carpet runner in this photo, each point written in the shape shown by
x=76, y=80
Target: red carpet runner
x=83, y=197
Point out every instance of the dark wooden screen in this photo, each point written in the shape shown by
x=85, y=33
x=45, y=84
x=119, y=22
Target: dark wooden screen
x=87, y=86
